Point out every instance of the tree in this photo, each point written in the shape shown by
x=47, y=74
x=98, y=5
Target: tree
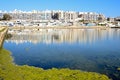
x=55, y=16
x=101, y=18
x=108, y=19
x=6, y=17
x=80, y=16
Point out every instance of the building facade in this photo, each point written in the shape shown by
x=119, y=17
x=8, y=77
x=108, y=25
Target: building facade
x=67, y=16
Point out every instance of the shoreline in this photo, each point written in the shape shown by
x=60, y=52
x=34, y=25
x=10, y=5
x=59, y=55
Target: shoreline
x=26, y=72
x=60, y=27
x=3, y=32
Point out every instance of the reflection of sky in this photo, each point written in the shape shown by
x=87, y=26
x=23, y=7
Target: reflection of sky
x=83, y=36
x=65, y=54
x=89, y=50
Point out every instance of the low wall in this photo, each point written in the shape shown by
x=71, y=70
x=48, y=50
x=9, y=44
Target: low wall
x=3, y=32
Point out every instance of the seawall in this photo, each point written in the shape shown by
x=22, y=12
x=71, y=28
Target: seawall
x=3, y=32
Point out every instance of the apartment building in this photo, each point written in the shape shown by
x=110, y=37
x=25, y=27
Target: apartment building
x=91, y=16
x=66, y=16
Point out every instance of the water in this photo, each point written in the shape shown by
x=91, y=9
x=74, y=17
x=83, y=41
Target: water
x=85, y=49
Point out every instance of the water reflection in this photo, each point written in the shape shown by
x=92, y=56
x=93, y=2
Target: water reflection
x=48, y=36
x=85, y=49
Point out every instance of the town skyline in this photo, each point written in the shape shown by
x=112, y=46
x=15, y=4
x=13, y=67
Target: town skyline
x=109, y=8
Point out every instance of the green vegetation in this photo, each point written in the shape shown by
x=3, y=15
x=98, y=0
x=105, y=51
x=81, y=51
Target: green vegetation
x=8, y=36
x=6, y=17
x=55, y=16
x=10, y=71
x=2, y=29
x=118, y=69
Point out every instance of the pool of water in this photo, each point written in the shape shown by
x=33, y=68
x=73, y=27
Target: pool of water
x=85, y=49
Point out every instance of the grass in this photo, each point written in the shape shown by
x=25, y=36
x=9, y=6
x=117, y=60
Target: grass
x=2, y=29
x=11, y=71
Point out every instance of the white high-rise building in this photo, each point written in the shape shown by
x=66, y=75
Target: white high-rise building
x=67, y=16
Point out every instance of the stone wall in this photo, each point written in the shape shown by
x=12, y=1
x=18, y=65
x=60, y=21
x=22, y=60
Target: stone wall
x=3, y=32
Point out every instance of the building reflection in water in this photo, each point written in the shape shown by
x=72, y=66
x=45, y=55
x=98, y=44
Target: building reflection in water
x=48, y=36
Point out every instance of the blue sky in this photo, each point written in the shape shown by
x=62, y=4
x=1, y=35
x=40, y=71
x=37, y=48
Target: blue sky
x=108, y=7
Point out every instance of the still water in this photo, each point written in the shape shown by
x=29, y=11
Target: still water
x=85, y=49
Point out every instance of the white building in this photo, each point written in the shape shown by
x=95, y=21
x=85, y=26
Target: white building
x=66, y=16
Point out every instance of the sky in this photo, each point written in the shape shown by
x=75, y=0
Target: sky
x=110, y=8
